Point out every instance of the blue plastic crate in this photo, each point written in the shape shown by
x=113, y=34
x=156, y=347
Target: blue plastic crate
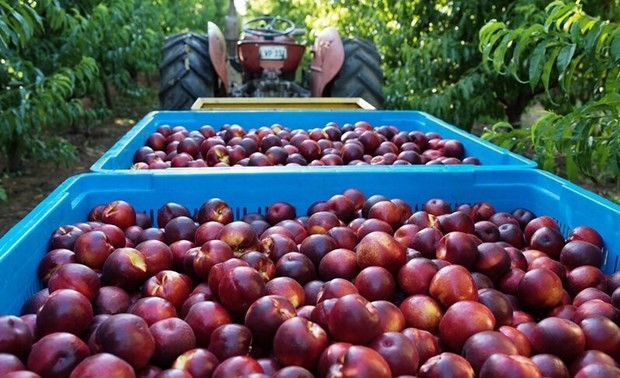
x=120, y=155
x=543, y=193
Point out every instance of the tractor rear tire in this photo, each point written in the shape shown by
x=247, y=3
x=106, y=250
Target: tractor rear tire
x=186, y=72
x=361, y=74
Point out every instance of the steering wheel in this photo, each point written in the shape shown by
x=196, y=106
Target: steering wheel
x=269, y=26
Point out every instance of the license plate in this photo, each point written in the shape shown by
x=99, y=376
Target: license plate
x=272, y=52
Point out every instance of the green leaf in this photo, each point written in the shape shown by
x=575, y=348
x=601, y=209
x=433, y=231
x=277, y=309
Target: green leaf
x=6, y=34
x=24, y=25
x=489, y=29
x=614, y=144
x=612, y=83
x=604, y=39
x=568, y=25
x=610, y=100
x=18, y=35
x=561, y=134
x=614, y=48
x=527, y=37
x=557, y=14
x=575, y=30
x=499, y=55
x=572, y=170
x=537, y=63
x=568, y=76
x=571, y=9
x=502, y=127
x=539, y=129
x=489, y=35
x=57, y=19
x=587, y=24
x=564, y=58
x=553, y=4
x=3, y=195
x=548, y=67
x=592, y=37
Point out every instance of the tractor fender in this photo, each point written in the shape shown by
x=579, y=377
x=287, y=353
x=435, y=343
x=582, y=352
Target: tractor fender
x=218, y=53
x=328, y=58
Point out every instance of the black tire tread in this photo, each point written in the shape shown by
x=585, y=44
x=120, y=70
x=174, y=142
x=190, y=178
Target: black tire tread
x=361, y=74
x=186, y=72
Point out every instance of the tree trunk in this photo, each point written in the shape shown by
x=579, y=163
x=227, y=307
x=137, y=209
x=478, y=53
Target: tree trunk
x=134, y=74
x=14, y=153
x=107, y=95
x=514, y=109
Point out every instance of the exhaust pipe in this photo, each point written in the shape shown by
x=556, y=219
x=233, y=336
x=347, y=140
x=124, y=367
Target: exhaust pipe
x=232, y=31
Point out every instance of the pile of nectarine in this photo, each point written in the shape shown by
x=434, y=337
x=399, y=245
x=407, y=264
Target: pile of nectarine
x=358, y=143
x=356, y=287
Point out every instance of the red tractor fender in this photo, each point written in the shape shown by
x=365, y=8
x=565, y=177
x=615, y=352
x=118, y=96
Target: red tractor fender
x=217, y=53
x=328, y=52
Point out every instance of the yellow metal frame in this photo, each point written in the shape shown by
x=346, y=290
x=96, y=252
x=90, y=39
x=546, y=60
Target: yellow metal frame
x=278, y=103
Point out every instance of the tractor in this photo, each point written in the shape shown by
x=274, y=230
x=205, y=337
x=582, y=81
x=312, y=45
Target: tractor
x=266, y=61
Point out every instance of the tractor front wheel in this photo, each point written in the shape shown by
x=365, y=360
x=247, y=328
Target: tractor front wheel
x=361, y=74
x=186, y=71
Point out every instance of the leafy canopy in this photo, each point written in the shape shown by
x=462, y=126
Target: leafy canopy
x=575, y=59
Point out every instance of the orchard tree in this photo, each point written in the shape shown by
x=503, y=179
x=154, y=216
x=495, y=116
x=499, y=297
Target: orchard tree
x=38, y=79
x=58, y=55
x=574, y=59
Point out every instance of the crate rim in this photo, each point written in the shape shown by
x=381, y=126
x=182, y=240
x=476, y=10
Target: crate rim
x=34, y=216
x=71, y=201
x=119, y=146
